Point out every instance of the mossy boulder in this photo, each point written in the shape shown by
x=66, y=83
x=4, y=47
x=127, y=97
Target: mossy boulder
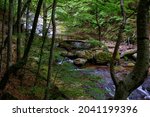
x=80, y=61
x=102, y=58
x=68, y=54
x=86, y=54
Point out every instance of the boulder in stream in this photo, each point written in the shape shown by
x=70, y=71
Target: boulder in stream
x=102, y=58
x=68, y=54
x=86, y=54
x=80, y=61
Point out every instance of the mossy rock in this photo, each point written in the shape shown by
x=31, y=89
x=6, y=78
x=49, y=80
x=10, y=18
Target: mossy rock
x=80, y=61
x=68, y=54
x=103, y=58
x=86, y=54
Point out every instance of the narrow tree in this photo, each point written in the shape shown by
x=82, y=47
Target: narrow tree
x=3, y=33
x=119, y=39
x=133, y=80
x=27, y=3
x=41, y=51
x=49, y=75
x=19, y=29
x=27, y=23
x=44, y=18
x=15, y=67
x=10, y=29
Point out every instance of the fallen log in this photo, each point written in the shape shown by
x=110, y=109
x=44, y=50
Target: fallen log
x=128, y=53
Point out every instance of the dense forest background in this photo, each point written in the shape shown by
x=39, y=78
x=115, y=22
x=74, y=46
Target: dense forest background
x=74, y=49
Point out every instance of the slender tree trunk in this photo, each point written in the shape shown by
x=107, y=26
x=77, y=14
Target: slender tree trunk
x=140, y=71
x=120, y=38
x=19, y=29
x=15, y=67
x=10, y=29
x=49, y=76
x=29, y=44
x=22, y=11
x=44, y=18
x=27, y=24
x=3, y=33
x=45, y=31
x=41, y=51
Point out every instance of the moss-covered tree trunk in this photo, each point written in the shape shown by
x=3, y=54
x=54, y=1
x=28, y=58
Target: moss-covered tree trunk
x=139, y=73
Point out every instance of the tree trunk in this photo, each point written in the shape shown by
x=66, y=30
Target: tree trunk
x=28, y=47
x=27, y=24
x=41, y=51
x=49, y=76
x=120, y=37
x=19, y=29
x=3, y=31
x=10, y=29
x=44, y=18
x=14, y=68
x=140, y=71
x=22, y=11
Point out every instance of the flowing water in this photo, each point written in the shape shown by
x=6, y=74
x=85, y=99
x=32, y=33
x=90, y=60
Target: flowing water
x=142, y=92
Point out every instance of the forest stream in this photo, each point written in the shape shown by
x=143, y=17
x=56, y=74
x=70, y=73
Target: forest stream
x=142, y=92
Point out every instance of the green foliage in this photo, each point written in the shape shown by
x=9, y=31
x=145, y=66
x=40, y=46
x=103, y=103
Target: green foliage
x=37, y=91
x=94, y=42
x=95, y=91
x=76, y=79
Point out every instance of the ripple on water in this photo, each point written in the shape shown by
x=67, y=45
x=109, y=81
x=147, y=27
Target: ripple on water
x=142, y=92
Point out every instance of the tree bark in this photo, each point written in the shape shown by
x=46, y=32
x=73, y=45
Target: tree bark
x=15, y=67
x=22, y=11
x=140, y=71
x=120, y=36
x=3, y=31
x=10, y=29
x=49, y=76
x=27, y=24
x=44, y=18
x=19, y=29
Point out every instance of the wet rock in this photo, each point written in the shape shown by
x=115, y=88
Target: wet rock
x=80, y=61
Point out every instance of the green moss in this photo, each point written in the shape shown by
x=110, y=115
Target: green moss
x=94, y=42
x=103, y=57
x=118, y=56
